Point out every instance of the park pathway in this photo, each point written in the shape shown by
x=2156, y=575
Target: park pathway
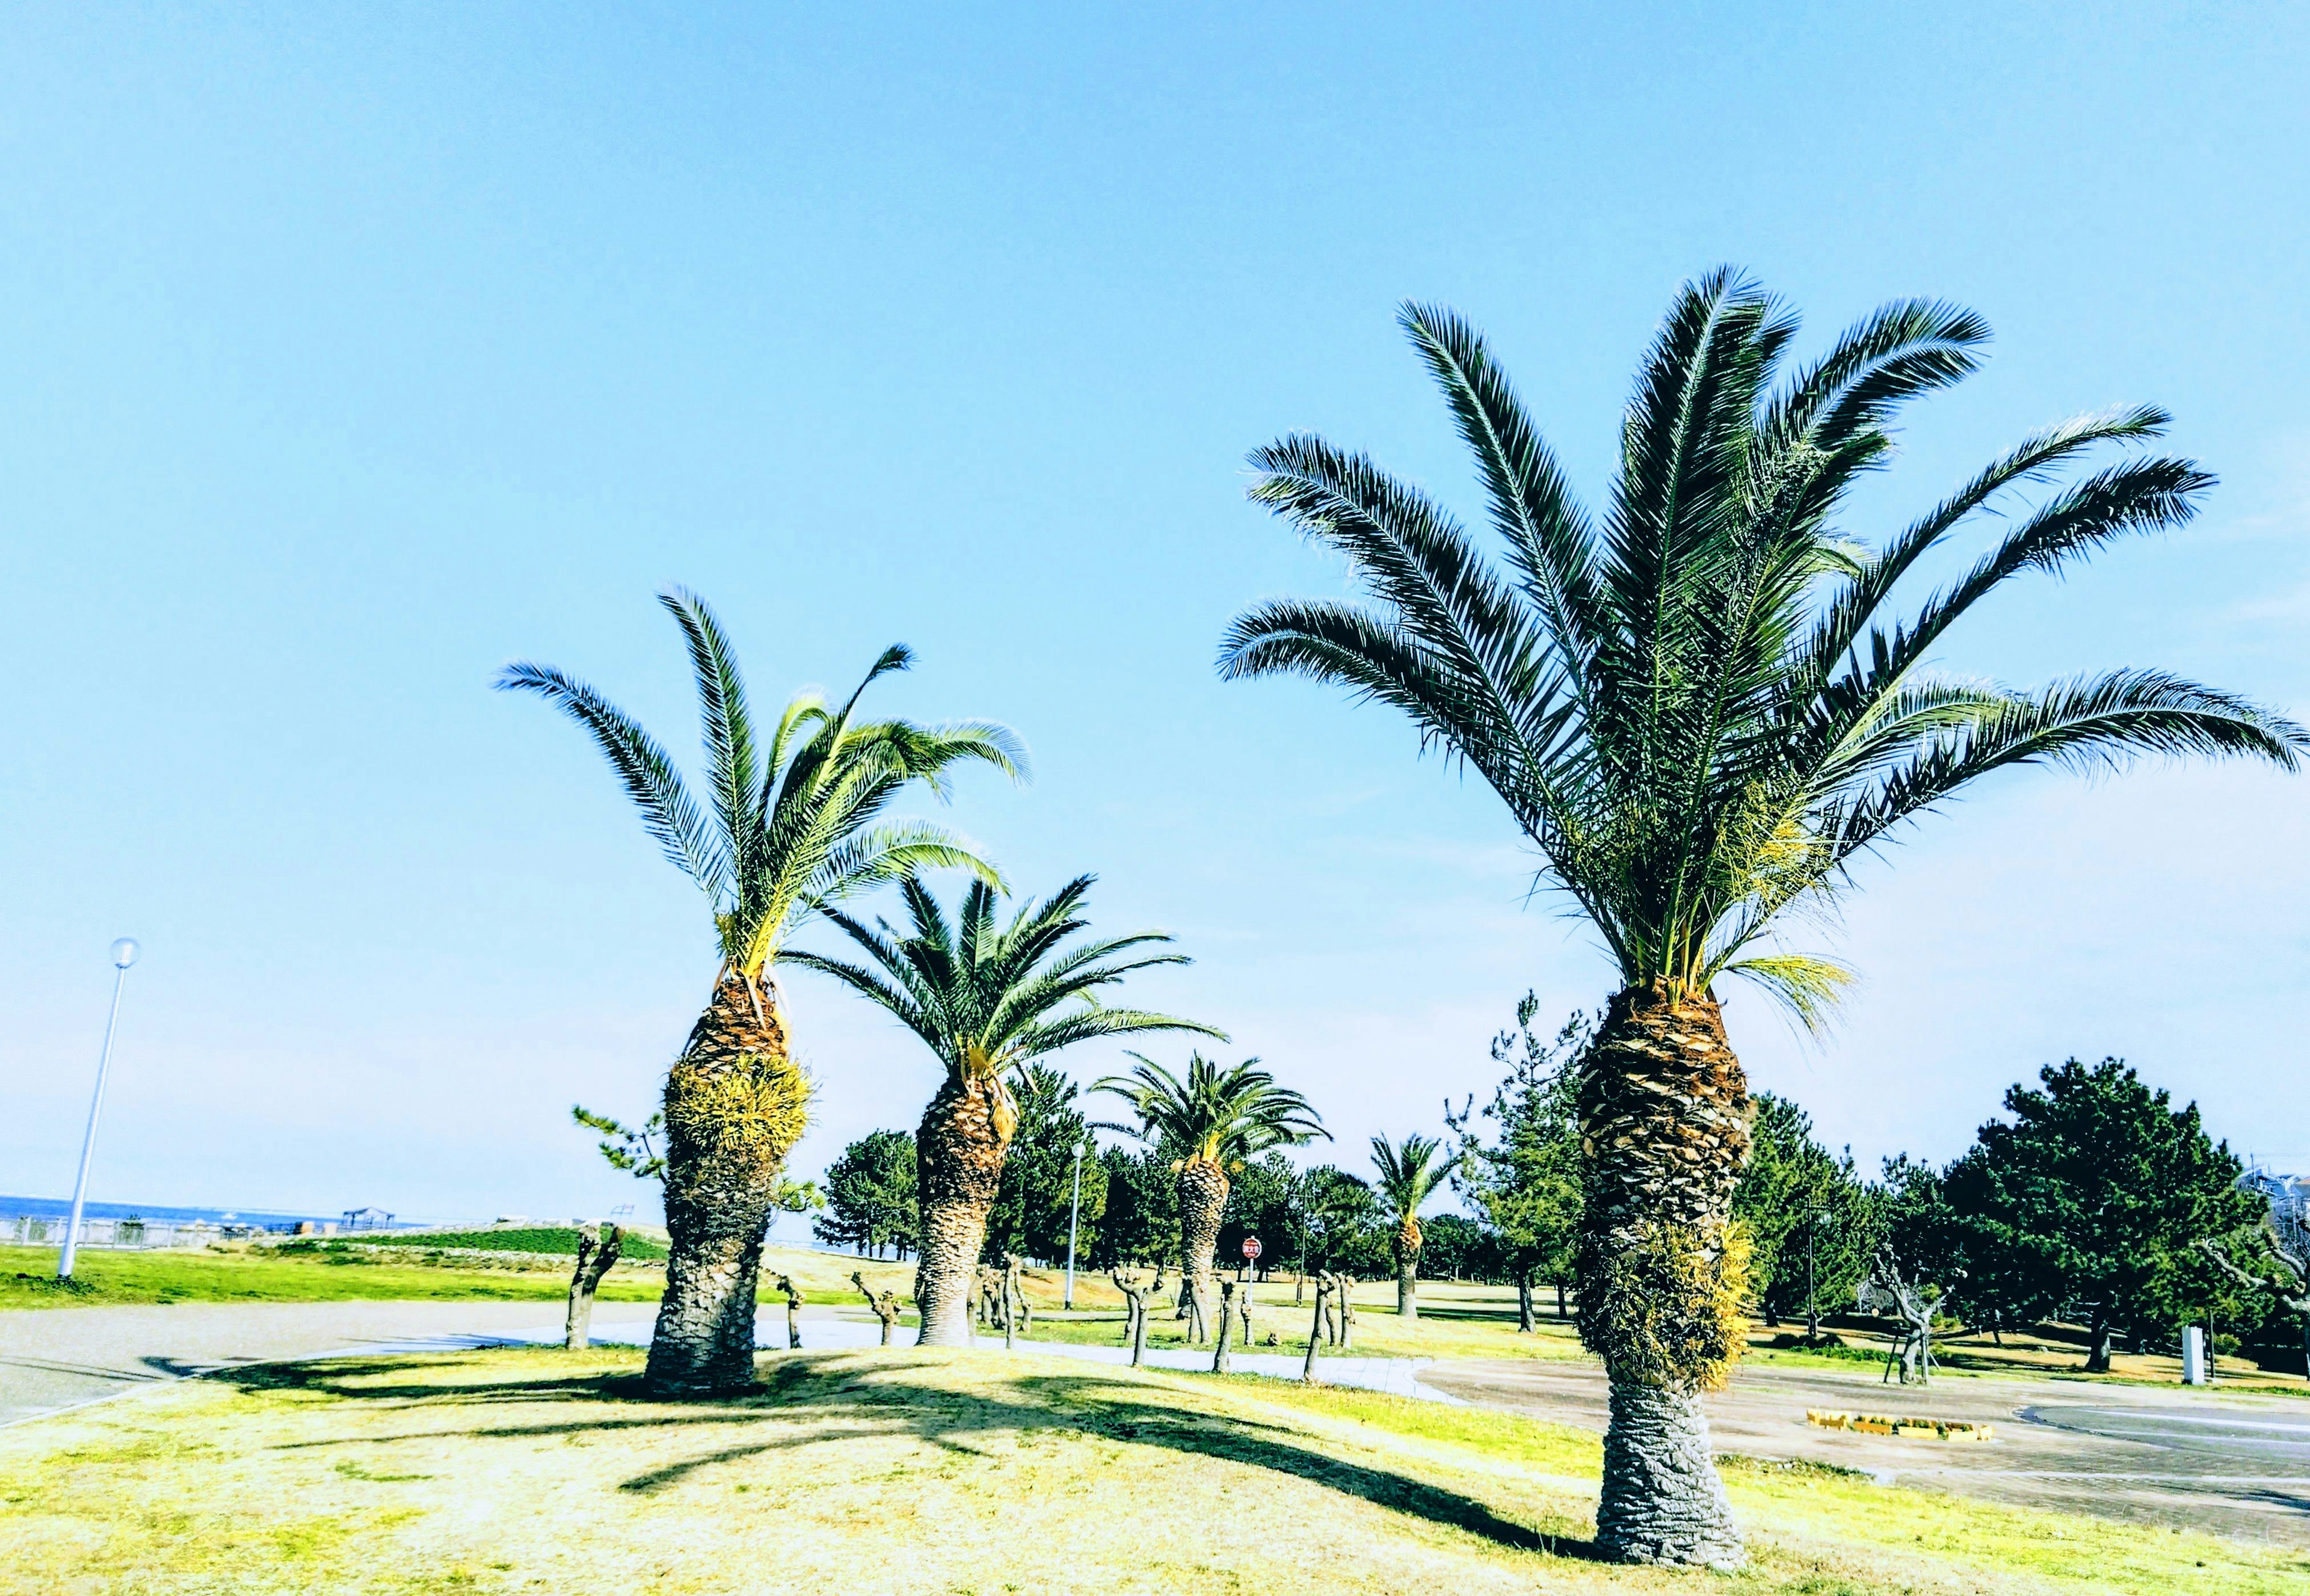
x=55, y=1359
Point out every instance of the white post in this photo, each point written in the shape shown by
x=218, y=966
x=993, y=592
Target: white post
x=124, y=954
x=2193, y=1356
x=1074, y=1209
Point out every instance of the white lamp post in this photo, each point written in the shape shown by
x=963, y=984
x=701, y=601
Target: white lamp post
x=1074, y=1208
x=124, y=954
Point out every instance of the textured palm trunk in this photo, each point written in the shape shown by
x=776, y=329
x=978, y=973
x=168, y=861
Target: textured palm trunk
x=734, y=1105
x=958, y=1153
x=1665, y=1116
x=1407, y=1243
x=1202, y=1195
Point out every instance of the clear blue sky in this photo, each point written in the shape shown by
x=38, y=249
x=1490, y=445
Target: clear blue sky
x=347, y=353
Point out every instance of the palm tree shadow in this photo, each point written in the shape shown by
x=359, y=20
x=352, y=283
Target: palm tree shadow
x=845, y=1396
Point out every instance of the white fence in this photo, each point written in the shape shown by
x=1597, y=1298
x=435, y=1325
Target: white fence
x=48, y=1230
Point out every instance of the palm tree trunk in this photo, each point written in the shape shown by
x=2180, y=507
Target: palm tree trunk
x=1202, y=1195
x=1662, y=1500
x=1664, y=1133
x=1407, y=1243
x=734, y=1105
x=958, y=1153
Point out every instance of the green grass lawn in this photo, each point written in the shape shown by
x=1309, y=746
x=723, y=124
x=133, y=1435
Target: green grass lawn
x=559, y=1239
x=264, y=1274
x=940, y=1471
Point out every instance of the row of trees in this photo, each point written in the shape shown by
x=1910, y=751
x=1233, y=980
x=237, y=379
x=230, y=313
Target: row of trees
x=2098, y=1201
x=1699, y=704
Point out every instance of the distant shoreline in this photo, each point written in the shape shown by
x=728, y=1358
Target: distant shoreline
x=57, y=1208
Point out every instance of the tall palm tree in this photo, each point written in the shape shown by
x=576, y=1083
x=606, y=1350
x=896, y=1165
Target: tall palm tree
x=1699, y=710
x=986, y=997
x=1212, y=1123
x=1407, y=1176
x=789, y=827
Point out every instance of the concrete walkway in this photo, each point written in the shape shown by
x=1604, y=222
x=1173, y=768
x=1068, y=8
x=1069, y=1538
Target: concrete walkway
x=55, y=1358
x=2163, y=1456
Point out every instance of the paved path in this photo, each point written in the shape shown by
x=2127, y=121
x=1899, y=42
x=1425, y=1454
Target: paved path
x=52, y=1359
x=55, y=1359
x=2163, y=1456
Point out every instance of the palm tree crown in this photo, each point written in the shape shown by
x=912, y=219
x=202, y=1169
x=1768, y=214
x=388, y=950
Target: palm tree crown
x=789, y=827
x=986, y=996
x=1409, y=1174
x=1696, y=706
x=1214, y=1115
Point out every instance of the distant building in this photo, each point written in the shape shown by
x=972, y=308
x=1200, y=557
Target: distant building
x=2288, y=1196
x=366, y=1218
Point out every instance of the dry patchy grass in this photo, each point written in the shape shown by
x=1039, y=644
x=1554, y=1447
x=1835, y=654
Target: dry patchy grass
x=932, y=1471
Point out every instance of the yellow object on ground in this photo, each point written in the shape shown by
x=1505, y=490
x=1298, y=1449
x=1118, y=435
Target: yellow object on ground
x=1924, y=1429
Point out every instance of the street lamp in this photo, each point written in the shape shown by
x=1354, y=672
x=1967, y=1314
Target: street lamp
x=1812, y=1312
x=124, y=954
x=1074, y=1208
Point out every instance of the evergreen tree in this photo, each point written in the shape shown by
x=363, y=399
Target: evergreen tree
x=870, y=1196
x=1141, y=1220
x=1263, y=1201
x=2098, y=1193
x=1031, y=1205
x=1525, y=1184
x=1807, y=1211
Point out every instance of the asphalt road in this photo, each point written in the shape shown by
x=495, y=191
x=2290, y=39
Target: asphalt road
x=52, y=1359
x=2146, y=1455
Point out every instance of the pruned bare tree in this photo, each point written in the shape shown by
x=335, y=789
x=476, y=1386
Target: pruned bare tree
x=793, y=1294
x=1912, y=1353
x=2288, y=1282
x=1136, y=1293
x=598, y=1247
x=1316, y=1331
x=885, y=1306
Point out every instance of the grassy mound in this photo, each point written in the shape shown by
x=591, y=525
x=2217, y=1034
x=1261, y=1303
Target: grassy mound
x=938, y=1471
x=102, y=1278
x=561, y=1240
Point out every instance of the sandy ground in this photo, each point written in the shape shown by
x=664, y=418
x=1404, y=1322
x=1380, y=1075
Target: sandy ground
x=2171, y=1456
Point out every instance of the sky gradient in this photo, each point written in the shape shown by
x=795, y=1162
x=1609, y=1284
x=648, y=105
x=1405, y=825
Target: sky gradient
x=350, y=354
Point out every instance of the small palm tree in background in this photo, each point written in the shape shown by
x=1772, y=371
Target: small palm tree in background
x=789, y=827
x=986, y=997
x=1210, y=1123
x=1697, y=709
x=1407, y=1176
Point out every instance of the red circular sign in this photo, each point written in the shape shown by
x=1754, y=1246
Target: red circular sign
x=1251, y=1247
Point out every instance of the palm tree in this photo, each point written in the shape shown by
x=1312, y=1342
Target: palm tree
x=1212, y=1121
x=986, y=997
x=1699, y=711
x=788, y=828
x=1407, y=1176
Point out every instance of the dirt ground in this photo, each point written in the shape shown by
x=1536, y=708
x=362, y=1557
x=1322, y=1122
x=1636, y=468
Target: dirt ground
x=2170, y=1456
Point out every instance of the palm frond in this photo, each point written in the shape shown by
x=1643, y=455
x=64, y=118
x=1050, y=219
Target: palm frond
x=642, y=768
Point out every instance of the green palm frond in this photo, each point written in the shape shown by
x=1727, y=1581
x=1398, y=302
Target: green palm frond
x=984, y=994
x=642, y=767
x=1701, y=703
x=1226, y=1115
x=1408, y=1174
x=794, y=826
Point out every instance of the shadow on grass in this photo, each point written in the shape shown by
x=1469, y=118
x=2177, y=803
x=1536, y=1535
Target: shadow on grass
x=845, y=1397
